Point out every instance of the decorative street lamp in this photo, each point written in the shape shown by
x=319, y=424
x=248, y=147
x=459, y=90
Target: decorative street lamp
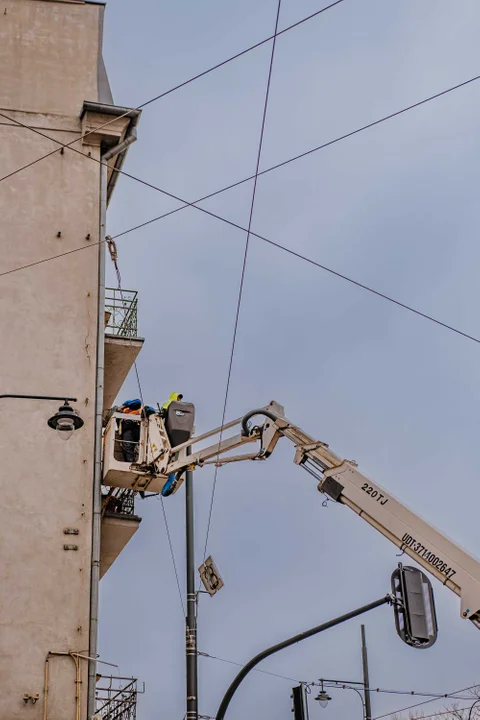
x=65, y=421
x=323, y=697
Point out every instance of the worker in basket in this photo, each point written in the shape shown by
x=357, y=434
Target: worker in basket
x=174, y=397
x=130, y=429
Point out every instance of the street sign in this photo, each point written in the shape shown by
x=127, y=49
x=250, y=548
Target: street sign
x=414, y=608
x=210, y=576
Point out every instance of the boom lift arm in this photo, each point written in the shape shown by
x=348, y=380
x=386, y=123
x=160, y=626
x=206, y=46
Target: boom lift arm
x=337, y=478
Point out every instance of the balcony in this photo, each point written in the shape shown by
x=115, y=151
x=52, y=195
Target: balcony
x=116, y=698
x=121, y=312
x=119, y=524
x=122, y=344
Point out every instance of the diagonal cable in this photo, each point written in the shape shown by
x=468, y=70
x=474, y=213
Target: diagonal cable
x=172, y=553
x=194, y=203
x=262, y=237
x=171, y=90
x=113, y=254
x=302, y=155
x=425, y=702
x=244, y=267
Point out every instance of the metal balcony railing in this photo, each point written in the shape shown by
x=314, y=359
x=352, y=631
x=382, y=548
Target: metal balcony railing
x=116, y=698
x=121, y=309
x=120, y=501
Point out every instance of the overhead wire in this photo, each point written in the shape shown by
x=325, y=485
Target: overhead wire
x=302, y=155
x=339, y=685
x=165, y=519
x=243, y=269
x=254, y=234
x=114, y=257
x=171, y=90
x=231, y=662
x=455, y=695
x=232, y=185
x=425, y=702
x=175, y=569
x=440, y=713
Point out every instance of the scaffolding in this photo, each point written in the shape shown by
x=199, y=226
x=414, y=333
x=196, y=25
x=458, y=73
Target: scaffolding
x=121, y=311
x=117, y=699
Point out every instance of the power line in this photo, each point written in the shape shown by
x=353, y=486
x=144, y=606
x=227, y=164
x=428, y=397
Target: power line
x=425, y=702
x=113, y=254
x=444, y=712
x=265, y=672
x=169, y=538
x=244, y=267
x=340, y=686
x=239, y=182
x=254, y=234
x=279, y=247
x=171, y=90
x=302, y=155
x=172, y=553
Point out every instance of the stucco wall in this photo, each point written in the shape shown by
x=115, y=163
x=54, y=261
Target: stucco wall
x=48, y=56
x=55, y=42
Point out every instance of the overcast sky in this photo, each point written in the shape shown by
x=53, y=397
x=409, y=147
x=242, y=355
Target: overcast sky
x=395, y=207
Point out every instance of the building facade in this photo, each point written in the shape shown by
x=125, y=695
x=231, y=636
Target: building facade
x=54, y=91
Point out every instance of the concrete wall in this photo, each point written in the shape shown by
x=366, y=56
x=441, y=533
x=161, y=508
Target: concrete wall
x=48, y=57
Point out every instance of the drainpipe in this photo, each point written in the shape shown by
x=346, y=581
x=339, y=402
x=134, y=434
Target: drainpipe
x=97, y=475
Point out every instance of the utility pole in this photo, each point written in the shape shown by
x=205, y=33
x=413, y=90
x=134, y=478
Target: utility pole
x=366, y=682
x=191, y=613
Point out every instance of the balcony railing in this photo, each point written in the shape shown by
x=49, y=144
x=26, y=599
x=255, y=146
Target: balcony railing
x=121, y=307
x=116, y=698
x=120, y=501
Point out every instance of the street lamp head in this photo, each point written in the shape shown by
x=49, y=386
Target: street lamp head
x=323, y=698
x=65, y=421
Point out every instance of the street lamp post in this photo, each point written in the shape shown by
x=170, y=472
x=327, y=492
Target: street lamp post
x=323, y=698
x=287, y=643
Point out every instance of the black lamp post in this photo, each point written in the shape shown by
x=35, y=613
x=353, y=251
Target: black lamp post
x=65, y=421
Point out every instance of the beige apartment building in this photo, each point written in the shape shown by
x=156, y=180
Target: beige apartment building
x=55, y=537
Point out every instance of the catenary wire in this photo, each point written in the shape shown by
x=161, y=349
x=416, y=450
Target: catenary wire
x=290, y=252
x=243, y=270
x=340, y=686
x=425, y=702
x=171, y=90
x=231, y=662
x=167, y=528
x=302, y=155
x=444, y=712
x=240, y=182
x=175, y=569
x=261, y=237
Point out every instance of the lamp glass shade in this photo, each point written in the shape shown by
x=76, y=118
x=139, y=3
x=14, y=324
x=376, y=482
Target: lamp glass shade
x=323, y=698
x=65, y=428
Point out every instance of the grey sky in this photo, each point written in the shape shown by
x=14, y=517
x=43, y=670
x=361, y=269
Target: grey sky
x=395, y=207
